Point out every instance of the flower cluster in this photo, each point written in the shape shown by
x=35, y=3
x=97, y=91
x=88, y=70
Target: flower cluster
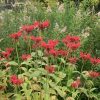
x=50, y=69
x=25, y=56
x=7, y=52
x=76, y=83
x=93, y=74
x=72, y=42
x=87, y=56
x=16, y=35
x=15, y=80
x=50, y=45
x=37, y=24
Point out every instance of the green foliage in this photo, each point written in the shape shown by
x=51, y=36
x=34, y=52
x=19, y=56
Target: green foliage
x=38, y=82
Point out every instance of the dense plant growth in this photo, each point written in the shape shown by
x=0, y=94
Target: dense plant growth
x=43, y=71
x=49, y=53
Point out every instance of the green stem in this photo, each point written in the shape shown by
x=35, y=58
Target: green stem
x=82, y=66
x=30, y=45
x=17, y=54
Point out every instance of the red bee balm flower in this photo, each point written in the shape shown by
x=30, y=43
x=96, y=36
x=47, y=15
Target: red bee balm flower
x=62, y=52
x=73, y=60
x=73, y=46
x=6, y=54
x=27, y=28
x=53, y=52
x=16, y=35
x=69, y=39
x=72, y=42
x=76, y=83
x=25, y=56
x=9, y=50
x=50, y=45
x=95, y=61
x=44, y=24
x=36, y=39
x=15, y=80
x=36, y=24
x=50, y=69
x=94, y=74
x=85, y=56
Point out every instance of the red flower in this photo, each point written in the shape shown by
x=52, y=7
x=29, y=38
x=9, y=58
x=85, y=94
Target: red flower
x=62, y=52
x=73, y=46
x=50, y=45
x=94, y=74
x=16, y=35
x=9, y=50
x=36, y=39
x=85, y=56
x=53, y=42
x=6, y=54
x=76, y=83
x=50, y=69
x=44, y=24
x=53, y=52
x=69, y=38
x=73, y=60
x=36, y=45
x=36, y=24
x=25, y=56
x=15, y=80
x=28, y=28
x=95, y=61
x=72, y=42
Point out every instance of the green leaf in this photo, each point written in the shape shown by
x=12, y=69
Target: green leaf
x=74, y=94
x=24, y=69
x=93, y=89
x=57, y=88
x=13, y=63
x=57, y=79
x=18, y=97
x=61, y=75
x=39, y=62
x=2, y=73
x=45, y=59
x=62, y=60
x=69, y=82
x=33, y=54
x=35, y=74
x=83, y=90
x=40, y=53
x=94, y=96
x=1, y=39
x=26, y=63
